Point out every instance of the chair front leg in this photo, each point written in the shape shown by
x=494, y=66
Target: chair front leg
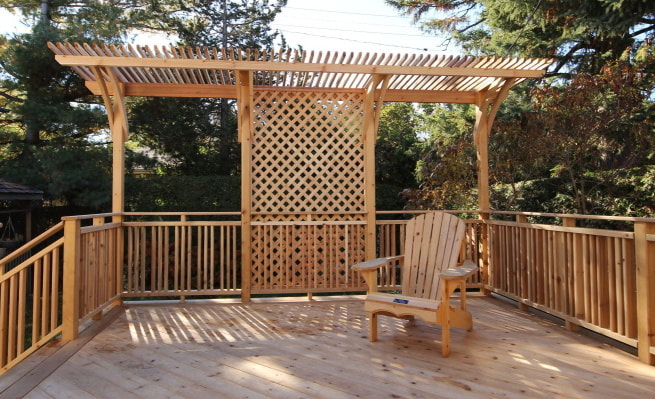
x=373, y=327
x=445, y=335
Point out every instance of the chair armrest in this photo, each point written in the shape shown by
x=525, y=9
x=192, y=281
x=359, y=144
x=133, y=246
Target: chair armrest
x=375, y=263
x=460, y=272
x=369, y=270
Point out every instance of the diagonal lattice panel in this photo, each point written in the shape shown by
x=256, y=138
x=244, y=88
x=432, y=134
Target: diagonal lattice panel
x=307, y=153
x=307, y=187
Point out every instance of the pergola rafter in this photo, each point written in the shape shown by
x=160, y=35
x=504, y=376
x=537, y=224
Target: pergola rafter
x=313, y=102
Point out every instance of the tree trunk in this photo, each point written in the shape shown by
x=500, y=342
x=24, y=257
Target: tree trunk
x=45, y=12
x=31, y=133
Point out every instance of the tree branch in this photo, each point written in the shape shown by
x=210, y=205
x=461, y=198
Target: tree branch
x=473, y=25
x=639, y=32
x=10, y=97
x=567, y=57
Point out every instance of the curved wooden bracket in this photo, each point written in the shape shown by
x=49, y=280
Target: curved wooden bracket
x=108, y=82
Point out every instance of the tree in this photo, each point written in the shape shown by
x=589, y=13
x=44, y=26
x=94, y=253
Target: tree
x=446, y=169
x=578, y=143
x=208, y=143
x=581, y=35
x=396, y=148
x=396, y=154
x=188, y=134
x=45, y=106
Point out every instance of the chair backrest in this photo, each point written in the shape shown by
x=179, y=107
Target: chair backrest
x=432, y=244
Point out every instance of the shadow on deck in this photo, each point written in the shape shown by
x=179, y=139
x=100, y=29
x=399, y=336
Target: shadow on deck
x=320, y=349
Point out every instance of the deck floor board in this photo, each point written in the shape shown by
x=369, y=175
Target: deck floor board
x=320, y=349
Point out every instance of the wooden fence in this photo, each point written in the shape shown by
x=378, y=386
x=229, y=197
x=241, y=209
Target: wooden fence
x=600, y=279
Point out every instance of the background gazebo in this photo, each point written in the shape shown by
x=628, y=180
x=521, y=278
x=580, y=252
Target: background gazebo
x=21, y=200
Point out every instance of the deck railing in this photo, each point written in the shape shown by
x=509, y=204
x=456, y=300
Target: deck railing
x=600, y=279
x=30, y=297
x=170, y=254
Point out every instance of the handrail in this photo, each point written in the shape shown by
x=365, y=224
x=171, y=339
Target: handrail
x=31, y=260
x=542, y=214
x=31, y=244
x=91, y=216
x=179, y=213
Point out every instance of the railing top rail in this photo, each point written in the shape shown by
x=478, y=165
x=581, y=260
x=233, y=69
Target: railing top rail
x=180, y=213
x=418, y=211
x=575, y=216
x=91, y=216
x=407, y=211
x=542, y=214
x=33, y=242
x=311, y=213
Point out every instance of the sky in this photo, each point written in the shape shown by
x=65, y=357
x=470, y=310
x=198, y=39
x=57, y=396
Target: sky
x=343, y=25
x=352, y=25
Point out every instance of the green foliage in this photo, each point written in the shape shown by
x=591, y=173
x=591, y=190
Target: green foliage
x=52, y=128
x=579, y=146
x=71, y=175
x=155, y=193
x=627, y=192
x=230, y=24
x=447, y=169
x=188, y=132
x=396, y=148
x=582, y=35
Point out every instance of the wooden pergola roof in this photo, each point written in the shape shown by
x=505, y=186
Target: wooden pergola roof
x=210, y=72
x=117, y=71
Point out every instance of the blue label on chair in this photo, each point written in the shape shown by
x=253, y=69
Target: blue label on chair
x=403, y=301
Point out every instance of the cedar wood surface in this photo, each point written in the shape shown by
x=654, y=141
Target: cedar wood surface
x=319, y=349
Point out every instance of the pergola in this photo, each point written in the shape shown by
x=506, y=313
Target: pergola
x=307, y=126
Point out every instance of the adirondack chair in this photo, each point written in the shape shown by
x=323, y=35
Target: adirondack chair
x=430, y=275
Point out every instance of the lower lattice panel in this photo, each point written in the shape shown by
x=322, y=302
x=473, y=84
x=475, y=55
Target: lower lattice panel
x=306, y=256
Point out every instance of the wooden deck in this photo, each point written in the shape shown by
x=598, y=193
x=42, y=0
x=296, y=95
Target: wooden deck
x=319, y=349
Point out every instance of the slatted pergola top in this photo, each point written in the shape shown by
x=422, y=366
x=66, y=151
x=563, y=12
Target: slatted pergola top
x=210, y=72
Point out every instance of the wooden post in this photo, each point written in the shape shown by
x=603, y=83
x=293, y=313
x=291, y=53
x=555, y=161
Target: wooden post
x=481, y=140
x=71, y=295
x=645, y=260
x=117, y=116
x=486, y=107
x=120, y=133
x=244, y=101
x=371, y=117
x=482, y=152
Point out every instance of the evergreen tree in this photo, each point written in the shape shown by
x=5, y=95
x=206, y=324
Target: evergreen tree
x=198, y=136
x=581, y=35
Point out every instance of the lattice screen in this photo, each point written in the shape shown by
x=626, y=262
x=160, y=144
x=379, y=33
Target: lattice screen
x=307, y=184
x=308, y=153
